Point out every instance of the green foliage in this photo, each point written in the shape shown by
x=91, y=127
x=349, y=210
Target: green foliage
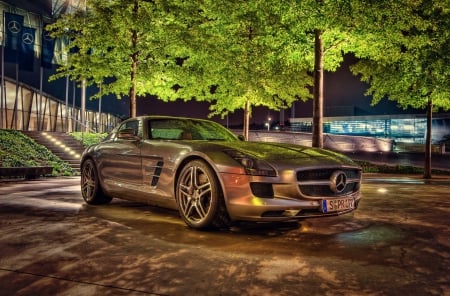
x=408, y=60
x=260, y=52
x=18, y=150
x=88, y=139
x=118, y=45
x=231, y=52
x=236, y=53
x=301, y=18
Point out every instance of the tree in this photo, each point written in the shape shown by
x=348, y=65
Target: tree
x=119, y=45
x=241, y=46
x=409, y=58
x=235, y=58
x=322, y=32
x=227, y=53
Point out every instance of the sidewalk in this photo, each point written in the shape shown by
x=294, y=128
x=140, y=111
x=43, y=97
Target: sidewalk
x=396, y=243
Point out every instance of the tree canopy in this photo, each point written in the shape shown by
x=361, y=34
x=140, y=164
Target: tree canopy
x=229, y=53
x=321, y=25
x=236, y=59
x=409, y=59
x=241, y=54
x=411, y=64
x=120, y=45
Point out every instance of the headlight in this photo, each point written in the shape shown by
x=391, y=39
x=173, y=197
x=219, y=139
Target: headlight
x=252, y=165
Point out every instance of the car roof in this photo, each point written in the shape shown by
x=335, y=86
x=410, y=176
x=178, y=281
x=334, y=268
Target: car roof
x=150, y=117
x=166, y=117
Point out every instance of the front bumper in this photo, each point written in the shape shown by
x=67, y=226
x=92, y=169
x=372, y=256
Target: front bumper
x=286, y=202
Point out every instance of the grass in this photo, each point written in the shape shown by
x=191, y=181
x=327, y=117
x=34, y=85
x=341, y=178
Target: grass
x=88, y=139
x=18, y=150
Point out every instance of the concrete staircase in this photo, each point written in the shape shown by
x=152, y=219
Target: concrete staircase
x=61, y=144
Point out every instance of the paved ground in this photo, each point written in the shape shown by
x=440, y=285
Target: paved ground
x=396, y=243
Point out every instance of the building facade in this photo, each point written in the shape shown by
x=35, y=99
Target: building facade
x=407, y=128
x=28, y=100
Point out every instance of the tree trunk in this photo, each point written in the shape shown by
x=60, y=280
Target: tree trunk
x=246, y=119
x=83, y=106
x=132, y=93
x=247, y=107
x=317, y=128
x=134, y=65
x=427, y=165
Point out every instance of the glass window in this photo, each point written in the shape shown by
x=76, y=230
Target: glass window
x=134, y=125
x=188, y=129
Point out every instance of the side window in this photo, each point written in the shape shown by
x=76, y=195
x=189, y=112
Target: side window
x=164, y=129
x=134, y=125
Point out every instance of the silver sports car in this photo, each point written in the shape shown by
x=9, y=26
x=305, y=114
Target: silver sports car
x=212, y=177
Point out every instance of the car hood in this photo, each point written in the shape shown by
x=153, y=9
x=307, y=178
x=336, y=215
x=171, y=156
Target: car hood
x=282, y=152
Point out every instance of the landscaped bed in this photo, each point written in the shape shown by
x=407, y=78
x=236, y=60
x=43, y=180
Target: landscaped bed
x=18, y=152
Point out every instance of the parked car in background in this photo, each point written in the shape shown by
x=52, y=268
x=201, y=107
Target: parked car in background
x=212, y=177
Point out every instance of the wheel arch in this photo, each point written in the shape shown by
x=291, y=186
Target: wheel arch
x=86, y=158
x=221, y=218
x=99, y=175
x=89, y=156
x=190, y=158
x=91, y=184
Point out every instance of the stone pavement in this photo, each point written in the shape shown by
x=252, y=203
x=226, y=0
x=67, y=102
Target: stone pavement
x=396, y=243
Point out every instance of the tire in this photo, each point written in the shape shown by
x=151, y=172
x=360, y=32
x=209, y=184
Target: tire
x=199, y=197
x=90, y=185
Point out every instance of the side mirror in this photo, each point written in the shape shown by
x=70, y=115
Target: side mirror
x=128, y=134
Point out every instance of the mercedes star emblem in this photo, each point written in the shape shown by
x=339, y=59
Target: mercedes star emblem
x=338, y=181
x=14, y=27
x=27, y=38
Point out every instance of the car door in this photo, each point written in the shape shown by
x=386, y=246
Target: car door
x=161, y=151
x=121, y=160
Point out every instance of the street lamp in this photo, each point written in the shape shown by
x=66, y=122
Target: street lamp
x=268, y=123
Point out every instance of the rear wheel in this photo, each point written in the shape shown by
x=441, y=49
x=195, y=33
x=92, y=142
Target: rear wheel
x=90, y=185
x=199, y=197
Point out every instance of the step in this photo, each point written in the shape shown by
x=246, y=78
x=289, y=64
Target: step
x=68, y=149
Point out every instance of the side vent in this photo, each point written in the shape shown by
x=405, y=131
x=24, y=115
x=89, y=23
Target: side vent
x=157, y=173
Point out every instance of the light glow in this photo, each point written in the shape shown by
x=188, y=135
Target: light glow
x=382, y=190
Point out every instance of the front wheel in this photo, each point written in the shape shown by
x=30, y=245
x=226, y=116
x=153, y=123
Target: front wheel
x=199, y=197
x=90, y=185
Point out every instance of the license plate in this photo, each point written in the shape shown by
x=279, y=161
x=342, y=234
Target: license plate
x=340, y=204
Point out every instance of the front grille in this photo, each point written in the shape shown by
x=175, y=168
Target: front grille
x=324, y=190
x=317, y=183
x=325, y=174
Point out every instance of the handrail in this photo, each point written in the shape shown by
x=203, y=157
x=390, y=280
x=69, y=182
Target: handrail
x=83, y=125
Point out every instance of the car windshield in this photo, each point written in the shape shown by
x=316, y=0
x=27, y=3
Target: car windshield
x=188, y=129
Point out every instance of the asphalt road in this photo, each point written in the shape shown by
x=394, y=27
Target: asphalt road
x=396, y=243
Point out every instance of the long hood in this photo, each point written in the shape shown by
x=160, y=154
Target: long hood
x=288, y=153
